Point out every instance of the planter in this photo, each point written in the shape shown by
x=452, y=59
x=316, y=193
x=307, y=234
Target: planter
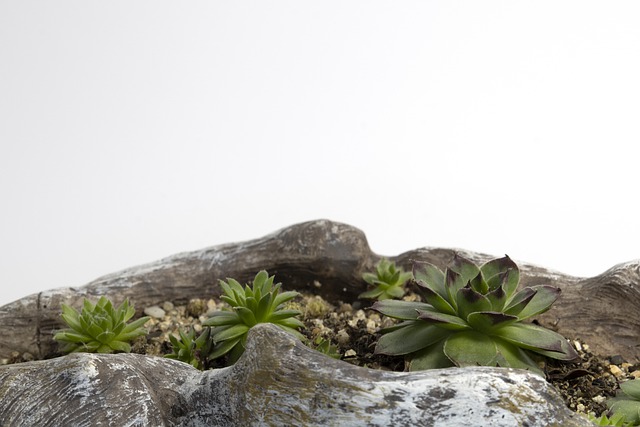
x=279, y=381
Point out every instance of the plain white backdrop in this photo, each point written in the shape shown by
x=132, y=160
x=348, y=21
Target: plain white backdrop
x=131, y=131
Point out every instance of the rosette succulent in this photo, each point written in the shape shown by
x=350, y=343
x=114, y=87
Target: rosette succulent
x=388, y=281
x=627, y=402
x=189, y=349
x=472, y=316
x=100, y=328
x=261, y=303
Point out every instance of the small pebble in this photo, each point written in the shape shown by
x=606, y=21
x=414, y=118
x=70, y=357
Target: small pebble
x=616, y=360
x=577, y=345
x=167, y=306
x=342, y=336
x=27, y=357
x=155, y=312
x=350, y=353
x=635, y=374
x=599, y=399
x=617, y=372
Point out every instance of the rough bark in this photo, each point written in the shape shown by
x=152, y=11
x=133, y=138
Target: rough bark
x=278, y=381
x=602, y=310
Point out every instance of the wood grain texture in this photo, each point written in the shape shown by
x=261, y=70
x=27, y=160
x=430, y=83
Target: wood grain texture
x=602, y=310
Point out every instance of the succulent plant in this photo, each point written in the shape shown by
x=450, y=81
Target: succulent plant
x=388, y=281
x=260, y=303
x=100, y=328
x=627, y=402
x=616, y=420
x=325, y=347
x=472, y=316
x=189, y=349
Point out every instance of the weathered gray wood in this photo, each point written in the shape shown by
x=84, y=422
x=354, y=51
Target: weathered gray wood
x=602, y=310
x=277, y=382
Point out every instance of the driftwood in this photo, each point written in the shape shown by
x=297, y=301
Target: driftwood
x=602, y=310
x=277, y=382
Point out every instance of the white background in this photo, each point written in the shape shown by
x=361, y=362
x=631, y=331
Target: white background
x=134, y=130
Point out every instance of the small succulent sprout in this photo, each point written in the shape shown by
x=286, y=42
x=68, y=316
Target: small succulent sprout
x=325, y=347
x=388, y=280
x=627, y=402
x=100, y=328
x=261, y=303
x=189, y=349
x=616, y=420
x=472, y=316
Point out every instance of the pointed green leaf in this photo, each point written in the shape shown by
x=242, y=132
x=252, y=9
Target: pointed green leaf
x=497, y=266
x=479, y=285
x=631, y=388
x=470, y=301
x=454, y=282
x=264, y=308
x=372, y=294
x=223, y=348
x=442, y=320
x=411, y=338
x=230, y=333
x=470, y=348
x=464, y=267
x=220, y=318
x=246, y=315
x=488, y=321
x=290, y=322
x=630, y=409
x=438, y=302
x=539, y=340
x=429, y=276
x=283, y=314
x=519, y=301
x=406, y=310
x=497, y=298
x=511, y=356
x=431, y=357
x=284, y=297
x=120, y=346
x=135, y=324
x=543, y=299
x=369, y=277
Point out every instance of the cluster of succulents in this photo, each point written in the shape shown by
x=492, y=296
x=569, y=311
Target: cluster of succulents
x=260, y=303
x=472, y=316
x=388, y=280
x=190, y=349
x=100, y=328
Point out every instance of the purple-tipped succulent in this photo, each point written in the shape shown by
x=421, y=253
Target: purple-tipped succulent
x=472, y=316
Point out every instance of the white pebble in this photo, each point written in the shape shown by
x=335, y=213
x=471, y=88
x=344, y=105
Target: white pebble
x=154, y=311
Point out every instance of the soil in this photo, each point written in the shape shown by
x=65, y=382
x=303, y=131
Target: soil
x=354, y=330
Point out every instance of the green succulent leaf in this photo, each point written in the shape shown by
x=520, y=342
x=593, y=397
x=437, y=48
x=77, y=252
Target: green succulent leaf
x=431, y=357
x=464, y=267
x=454, y=282
x=442, y=320
x=431, y=277
x=629, y=409
x=631, y=389
x=470, y=348
x=489, y=321
x=99, y=327
x=258, y=302
x=544, y=297
x=230, y=332
x=222, y=318
x=469, y=301
x=410, y=338
x=539, y=340
x=478, y=311
x=404, y=310
x=388, y=281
